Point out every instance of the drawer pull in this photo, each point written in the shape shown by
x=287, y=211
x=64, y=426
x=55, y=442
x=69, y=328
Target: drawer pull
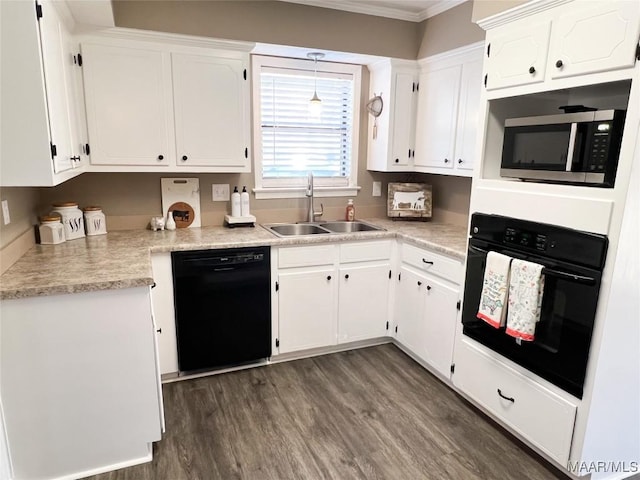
x=424, y=260
x=511, y=399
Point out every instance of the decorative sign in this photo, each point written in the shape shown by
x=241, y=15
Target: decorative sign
x=409, y=200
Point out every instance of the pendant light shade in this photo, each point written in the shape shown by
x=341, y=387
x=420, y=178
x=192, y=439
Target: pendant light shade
x=315, y=104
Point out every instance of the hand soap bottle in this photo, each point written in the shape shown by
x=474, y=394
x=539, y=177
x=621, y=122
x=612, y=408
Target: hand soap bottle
x=235, y=203
x=244, y=202
x=351, y=211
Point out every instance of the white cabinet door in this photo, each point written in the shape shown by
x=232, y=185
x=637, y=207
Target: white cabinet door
x=211, y=111
x=603, y=36
x=409, y=311
x=363, y=302
x=440, y=324
x=403, y=124
x=437, y=117
x=307, y=308
x=467, y=129
x=129, y=105
x=164, y=312
x=517, y=56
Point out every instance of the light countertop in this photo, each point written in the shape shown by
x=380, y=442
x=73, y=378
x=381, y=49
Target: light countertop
x=122, y=259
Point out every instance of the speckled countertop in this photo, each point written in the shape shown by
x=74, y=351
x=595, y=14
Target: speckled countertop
x=122, y=259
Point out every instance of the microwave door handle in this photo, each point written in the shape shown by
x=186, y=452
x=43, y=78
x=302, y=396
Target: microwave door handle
x=572, y=146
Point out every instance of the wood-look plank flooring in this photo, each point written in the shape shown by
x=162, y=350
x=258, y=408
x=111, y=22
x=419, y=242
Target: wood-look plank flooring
x=371, y=414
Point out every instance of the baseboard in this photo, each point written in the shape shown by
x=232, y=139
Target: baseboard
x=16, y=249
x=110, y=468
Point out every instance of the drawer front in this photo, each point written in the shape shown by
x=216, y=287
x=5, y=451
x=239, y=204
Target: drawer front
x=306, y=256
x=535, y=412
x=365, y=251
x=434, y=263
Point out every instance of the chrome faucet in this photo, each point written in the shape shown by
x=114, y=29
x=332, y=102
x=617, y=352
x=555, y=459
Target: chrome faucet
x=311, y=214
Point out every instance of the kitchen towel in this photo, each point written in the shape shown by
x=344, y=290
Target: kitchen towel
x=526, y=287
x=495, y=286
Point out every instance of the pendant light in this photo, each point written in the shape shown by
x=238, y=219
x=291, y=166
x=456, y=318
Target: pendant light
x=315, y=104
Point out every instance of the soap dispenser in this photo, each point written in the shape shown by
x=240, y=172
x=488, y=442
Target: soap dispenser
x=244, y=202
x=350, y=215
x=235, y=202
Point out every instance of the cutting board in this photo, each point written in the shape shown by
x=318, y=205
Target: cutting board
x=182, y=197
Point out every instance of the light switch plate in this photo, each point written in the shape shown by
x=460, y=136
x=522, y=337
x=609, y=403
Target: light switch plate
x=5, y=212
x=220, y=192
x=377, y=189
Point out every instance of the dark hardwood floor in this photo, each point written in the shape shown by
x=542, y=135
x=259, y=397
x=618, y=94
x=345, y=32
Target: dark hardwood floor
x=371, y=413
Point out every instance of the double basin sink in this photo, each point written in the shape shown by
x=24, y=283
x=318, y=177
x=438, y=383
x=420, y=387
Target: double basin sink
x=320, y=228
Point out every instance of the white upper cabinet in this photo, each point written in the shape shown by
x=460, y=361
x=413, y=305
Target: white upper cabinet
x=518, y=56
x=391, y=136
x=40, y=138
x=209, y=106
x=447, y=118
x=129, y=111
x=166, y=104
x=595, y=39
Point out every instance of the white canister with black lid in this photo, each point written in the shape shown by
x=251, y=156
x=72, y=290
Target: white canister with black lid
x=95, y=221
x=72, y=219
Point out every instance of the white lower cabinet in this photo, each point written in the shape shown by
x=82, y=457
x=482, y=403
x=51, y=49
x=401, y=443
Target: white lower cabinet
x=532, y=410
x=79, y=381
x=426, y=306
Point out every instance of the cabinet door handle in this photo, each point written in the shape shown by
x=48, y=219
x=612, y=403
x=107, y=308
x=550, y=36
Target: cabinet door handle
x=75, y=159
x=328, y=277
x=419, y=283
x=428, y=287
x=397, y=160
x=559, y=64
x=160, y=157
x=532, y=70
x=184, y=158
x=424, y=260
x=511, y=399
x=346, y=276
x=459, y=161
x=159, y=330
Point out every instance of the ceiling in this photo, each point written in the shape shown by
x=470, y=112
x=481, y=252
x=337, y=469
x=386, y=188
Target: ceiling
x=411, y=10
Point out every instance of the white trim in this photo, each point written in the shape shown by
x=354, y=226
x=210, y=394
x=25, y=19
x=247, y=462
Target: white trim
x=367, y=8
x=300, y=192
x=516, y=13
x=294, y=191
x=110, y=468
x=454, y=54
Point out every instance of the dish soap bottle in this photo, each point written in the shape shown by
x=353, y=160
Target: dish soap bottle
x=351, y=211
x=235, y=202
x=244, y=202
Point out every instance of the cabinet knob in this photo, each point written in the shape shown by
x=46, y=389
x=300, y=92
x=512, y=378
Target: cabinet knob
x=446, y=160
x=159, y=330
x=346, y=276
x=428, y=287
x=328, y=277
x=559, y=64
x=459, y=161
x=160, y=157
x=532, y=70
x=419, y=283
x=184, y=158
x=397, y=160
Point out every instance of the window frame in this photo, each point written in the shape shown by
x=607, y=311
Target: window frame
x=297, y=188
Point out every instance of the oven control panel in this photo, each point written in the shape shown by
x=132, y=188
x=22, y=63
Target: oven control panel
x=525, y=238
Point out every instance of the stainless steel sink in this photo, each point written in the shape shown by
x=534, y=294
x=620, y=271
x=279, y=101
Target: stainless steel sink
x=349, y=227
x=321, y=228
x=291, y=229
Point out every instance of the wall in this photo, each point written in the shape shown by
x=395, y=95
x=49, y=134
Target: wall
x=278, y=23
x=448, y=30
x=486, y=8
x=17, y=237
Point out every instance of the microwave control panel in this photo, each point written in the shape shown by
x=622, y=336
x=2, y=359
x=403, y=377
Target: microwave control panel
x=599, y=146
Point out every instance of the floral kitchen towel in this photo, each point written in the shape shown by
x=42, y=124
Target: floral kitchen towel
x=526, y=286
x=495, y=285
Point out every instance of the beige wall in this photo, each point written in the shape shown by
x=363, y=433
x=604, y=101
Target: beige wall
x=278, y=23
x=448, y=30
x=486, y=8
x=18, y=237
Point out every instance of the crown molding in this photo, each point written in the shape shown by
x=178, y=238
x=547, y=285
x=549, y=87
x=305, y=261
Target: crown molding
x=438, y=8
x=521, y=11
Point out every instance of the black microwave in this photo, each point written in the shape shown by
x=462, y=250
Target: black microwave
x=574, y=148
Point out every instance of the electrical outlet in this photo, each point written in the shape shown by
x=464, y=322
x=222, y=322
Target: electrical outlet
x=5, y=212
x=377, y=189
x=220, y=192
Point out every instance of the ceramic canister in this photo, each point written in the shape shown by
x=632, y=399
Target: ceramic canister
x=51, y=230
x=71, y=219
x=95, y=221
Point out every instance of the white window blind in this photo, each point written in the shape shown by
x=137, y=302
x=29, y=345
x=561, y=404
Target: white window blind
x=295, y=142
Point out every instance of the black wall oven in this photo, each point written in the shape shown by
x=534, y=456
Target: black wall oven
x=573, y=263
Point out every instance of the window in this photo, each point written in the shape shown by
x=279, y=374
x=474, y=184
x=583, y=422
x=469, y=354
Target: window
x=290, y=141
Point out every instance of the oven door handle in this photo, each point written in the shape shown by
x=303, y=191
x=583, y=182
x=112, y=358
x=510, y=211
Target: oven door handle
x=551, y=272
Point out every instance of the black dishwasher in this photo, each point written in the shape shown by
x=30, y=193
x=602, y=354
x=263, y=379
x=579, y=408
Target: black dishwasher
x=223, y=307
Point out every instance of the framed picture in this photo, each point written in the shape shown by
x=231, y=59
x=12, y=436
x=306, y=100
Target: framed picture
x=409, y=200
